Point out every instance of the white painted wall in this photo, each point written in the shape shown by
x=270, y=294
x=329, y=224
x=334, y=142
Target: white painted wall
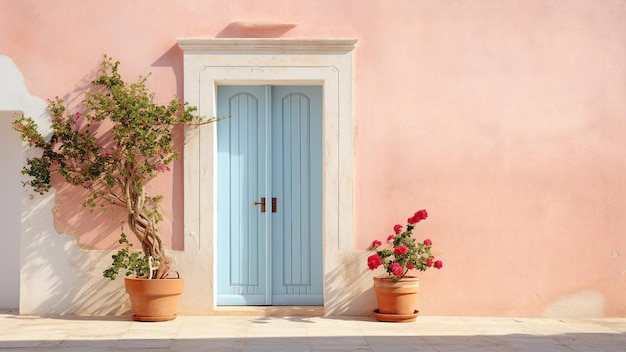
x=14, y=97
x=11, y=161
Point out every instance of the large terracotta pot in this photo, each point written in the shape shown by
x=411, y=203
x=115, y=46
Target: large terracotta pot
x=399, y=297
x=154, y=300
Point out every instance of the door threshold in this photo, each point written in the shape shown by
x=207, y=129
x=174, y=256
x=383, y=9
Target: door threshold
x=271, y=311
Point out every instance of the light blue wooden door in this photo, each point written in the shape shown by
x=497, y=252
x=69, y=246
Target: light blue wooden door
x=242, y=179
x=297, y=187
x=269, y=196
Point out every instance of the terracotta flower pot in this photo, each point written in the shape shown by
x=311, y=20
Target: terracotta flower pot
x=399, y=297
x=154, y=300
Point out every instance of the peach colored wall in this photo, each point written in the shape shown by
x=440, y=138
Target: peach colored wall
x=505, y=119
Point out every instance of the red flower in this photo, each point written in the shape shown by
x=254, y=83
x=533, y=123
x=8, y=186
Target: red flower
x=374, y=261
x=429, y=262
x=376, y=243
x=410, y=266
x=400, y=250
x=438, y=264
x=397, y=228
x=396, y=269
x=418, y=216
x=428, y=242
x=391, y=237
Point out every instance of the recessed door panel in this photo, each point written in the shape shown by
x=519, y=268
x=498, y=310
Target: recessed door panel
x=297, y=182
x=241, y=173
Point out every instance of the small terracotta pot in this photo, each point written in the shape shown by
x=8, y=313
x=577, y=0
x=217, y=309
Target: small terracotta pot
x=396, y=297
x=154, y=300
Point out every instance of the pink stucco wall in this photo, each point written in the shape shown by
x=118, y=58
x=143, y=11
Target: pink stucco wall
x=505, y=119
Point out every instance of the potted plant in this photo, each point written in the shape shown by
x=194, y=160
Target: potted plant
x=396, y=293
x=114, y=167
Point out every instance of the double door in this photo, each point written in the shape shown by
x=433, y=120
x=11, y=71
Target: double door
x=269, y=195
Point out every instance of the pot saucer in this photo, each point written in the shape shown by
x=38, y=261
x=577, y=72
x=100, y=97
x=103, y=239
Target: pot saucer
x=397, y=318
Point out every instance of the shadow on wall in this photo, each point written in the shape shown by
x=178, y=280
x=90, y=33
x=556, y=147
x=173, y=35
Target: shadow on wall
x=255, y=29
x=349, y=289
x=59, y=276
x=173, y=58
x=104, y=226
x=71, y=218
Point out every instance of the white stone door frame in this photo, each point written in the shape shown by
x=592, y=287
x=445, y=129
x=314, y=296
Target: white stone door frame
x=212, y=62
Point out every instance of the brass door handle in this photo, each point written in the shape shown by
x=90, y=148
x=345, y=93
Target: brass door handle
x=262, y=202
x=274, y=205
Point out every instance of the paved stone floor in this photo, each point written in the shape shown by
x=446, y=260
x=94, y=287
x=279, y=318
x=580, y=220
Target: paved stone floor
x=250, y=333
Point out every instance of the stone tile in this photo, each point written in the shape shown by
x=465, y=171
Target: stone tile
x=403, y=349
x=325, y=341
x=529, y=343
x=327, y=332
x=271, y=346
x=100, y=344
x=276, y=332
x=340, y=348
x=153, y=343
x=209, y=345
x=18, y=343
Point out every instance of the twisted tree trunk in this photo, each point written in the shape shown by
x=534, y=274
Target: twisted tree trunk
x=151, y=244
x=143, y=223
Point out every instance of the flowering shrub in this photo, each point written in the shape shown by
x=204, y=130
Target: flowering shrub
x=403, y=253
x=113, y=167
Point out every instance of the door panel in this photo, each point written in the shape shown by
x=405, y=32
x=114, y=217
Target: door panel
x=270, y=148
x=297, y=182
x=241, y=165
